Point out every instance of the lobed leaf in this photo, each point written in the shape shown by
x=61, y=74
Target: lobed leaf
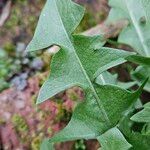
x=57, y=21
x=88, y=121
x=79, y=62
x=80, y=67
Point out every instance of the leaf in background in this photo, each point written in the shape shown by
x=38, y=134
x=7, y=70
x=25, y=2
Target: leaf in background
x=137, y=33
x=138, y=104
x=113, y=139
x=140, y=74
x=106, y=78
x=146, y=129
x=142, y=116
x=141, y=60
x=138, y=140
x=146, y=6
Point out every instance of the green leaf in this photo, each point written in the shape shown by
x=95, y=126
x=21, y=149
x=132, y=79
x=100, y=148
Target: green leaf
x=141, y=60
x=146, y=129
x=81, y=66
x=88, y=120
x=140, y=74
x=113, y=139
x=146, y=6
x=137, y=33
x=138, y=140
x=126, y=85
x=78, y=63
x=46, y=145
x=142, y=116
x=58, y=20
x=106, y=78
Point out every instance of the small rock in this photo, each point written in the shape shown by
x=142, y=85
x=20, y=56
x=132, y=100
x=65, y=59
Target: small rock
x=20, y=104
x=25, y=61
x=20, y=82
x=6, y=115
x=37, y=64
x=20, y=47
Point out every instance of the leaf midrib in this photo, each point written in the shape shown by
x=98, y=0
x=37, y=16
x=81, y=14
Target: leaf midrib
x=100, y=105
x=138, y=30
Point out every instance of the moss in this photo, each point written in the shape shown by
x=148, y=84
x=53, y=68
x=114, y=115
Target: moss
x=72, y=95
x=21, y=1
x=9, y=47
x=2, y=121
x=14, y=19
x=19, y=123
x=49, y=130
x=60, y=114
x=35, y=144
x=34, y=98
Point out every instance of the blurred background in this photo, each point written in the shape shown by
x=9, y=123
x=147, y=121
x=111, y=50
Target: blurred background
x=23, y=124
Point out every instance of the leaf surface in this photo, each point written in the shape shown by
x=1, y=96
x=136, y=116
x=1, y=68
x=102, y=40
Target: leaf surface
x=138, y=140
x=141, y=60
x=142, y=116
x=140, y=74
x=88, y=122
x=113, y=139
x=58, y=20
x=138, y=28
x=107, y=78
x=81, y=66
x=79, y=62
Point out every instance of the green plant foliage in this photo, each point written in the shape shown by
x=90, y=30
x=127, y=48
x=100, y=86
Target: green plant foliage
x=88, y=120
x=136, y=33
x=107, y=78
x=19, y=123
x=142, y=116
x=79, y=62
x=138, y=140
x=77, y=70
x=139, y=74
x=137, y=29
x=113, y=139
